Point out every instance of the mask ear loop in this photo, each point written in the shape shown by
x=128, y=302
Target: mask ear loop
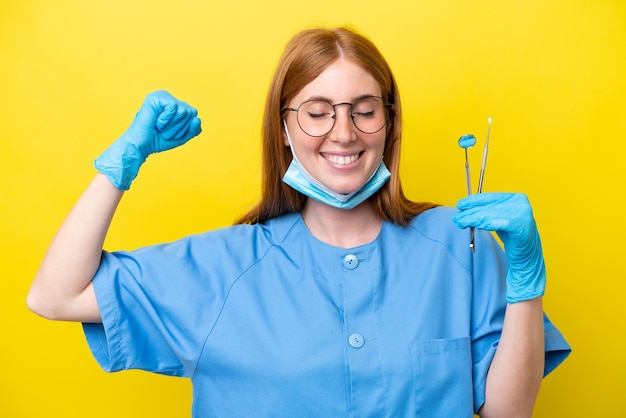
x=293, y=154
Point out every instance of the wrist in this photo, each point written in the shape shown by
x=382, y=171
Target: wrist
x=120, y=163
x=522, y=286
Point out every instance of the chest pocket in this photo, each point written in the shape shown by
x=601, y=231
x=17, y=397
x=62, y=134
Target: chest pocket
x=442, y=377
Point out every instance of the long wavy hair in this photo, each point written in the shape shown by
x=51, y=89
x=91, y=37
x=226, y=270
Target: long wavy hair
x=305, y=57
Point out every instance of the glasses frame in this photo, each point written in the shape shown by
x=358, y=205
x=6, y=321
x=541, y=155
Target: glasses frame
x=386, y=106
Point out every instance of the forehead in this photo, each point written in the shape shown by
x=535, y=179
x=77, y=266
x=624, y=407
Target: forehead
x=343, y=80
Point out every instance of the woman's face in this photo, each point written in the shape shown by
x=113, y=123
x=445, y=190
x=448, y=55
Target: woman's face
x=344, y=158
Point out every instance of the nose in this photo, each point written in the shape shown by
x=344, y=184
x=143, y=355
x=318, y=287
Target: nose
x=343, y=129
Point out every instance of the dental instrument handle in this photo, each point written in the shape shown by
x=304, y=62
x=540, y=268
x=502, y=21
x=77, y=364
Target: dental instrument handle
x=469, y=193
x=468, y=179
x=467, y=175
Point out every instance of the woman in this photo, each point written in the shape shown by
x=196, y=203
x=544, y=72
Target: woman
x=335, y=295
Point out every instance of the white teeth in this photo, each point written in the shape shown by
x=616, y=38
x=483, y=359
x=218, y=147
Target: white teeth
x=341, y=160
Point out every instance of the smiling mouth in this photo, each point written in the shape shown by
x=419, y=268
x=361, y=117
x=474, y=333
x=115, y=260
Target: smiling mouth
x=341, y=159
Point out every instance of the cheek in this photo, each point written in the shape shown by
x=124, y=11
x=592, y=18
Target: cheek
x=379, y=143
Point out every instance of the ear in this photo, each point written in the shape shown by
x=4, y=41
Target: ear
x=390, y=125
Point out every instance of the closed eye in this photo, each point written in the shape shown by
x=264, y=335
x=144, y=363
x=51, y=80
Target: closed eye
x=364, y=114
x=317, y=115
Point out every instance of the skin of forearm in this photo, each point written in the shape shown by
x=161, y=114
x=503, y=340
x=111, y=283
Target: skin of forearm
x=62, y=286
x=516, y=371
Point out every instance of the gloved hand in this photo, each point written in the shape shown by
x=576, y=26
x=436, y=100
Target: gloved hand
x=162, y=123
x=511, y=217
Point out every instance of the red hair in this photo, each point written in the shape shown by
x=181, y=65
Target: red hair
x=305, y=57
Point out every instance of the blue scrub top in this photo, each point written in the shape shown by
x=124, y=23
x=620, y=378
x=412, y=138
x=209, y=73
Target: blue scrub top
x=269, y=321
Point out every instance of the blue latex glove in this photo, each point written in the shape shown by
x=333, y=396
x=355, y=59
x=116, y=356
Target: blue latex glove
x=511, y=217
x=162, y=123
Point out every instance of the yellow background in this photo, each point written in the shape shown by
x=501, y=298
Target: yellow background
x=550, y=73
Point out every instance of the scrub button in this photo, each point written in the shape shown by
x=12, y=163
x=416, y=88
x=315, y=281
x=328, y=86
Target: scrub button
x=350, y=262
x=356, y=340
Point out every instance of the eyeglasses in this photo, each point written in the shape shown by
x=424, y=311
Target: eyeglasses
x=317, y=117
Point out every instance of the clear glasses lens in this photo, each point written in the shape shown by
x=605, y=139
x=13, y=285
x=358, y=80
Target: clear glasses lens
x=317, y=117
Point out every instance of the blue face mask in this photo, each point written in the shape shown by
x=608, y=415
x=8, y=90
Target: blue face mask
x=298, y=178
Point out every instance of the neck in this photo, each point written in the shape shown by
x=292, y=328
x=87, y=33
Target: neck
x=340, y=227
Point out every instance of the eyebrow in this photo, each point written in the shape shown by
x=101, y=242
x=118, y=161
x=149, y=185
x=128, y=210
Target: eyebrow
x=326, y=99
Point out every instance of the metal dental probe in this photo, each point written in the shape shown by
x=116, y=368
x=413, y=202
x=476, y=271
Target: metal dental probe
x=484, y=163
